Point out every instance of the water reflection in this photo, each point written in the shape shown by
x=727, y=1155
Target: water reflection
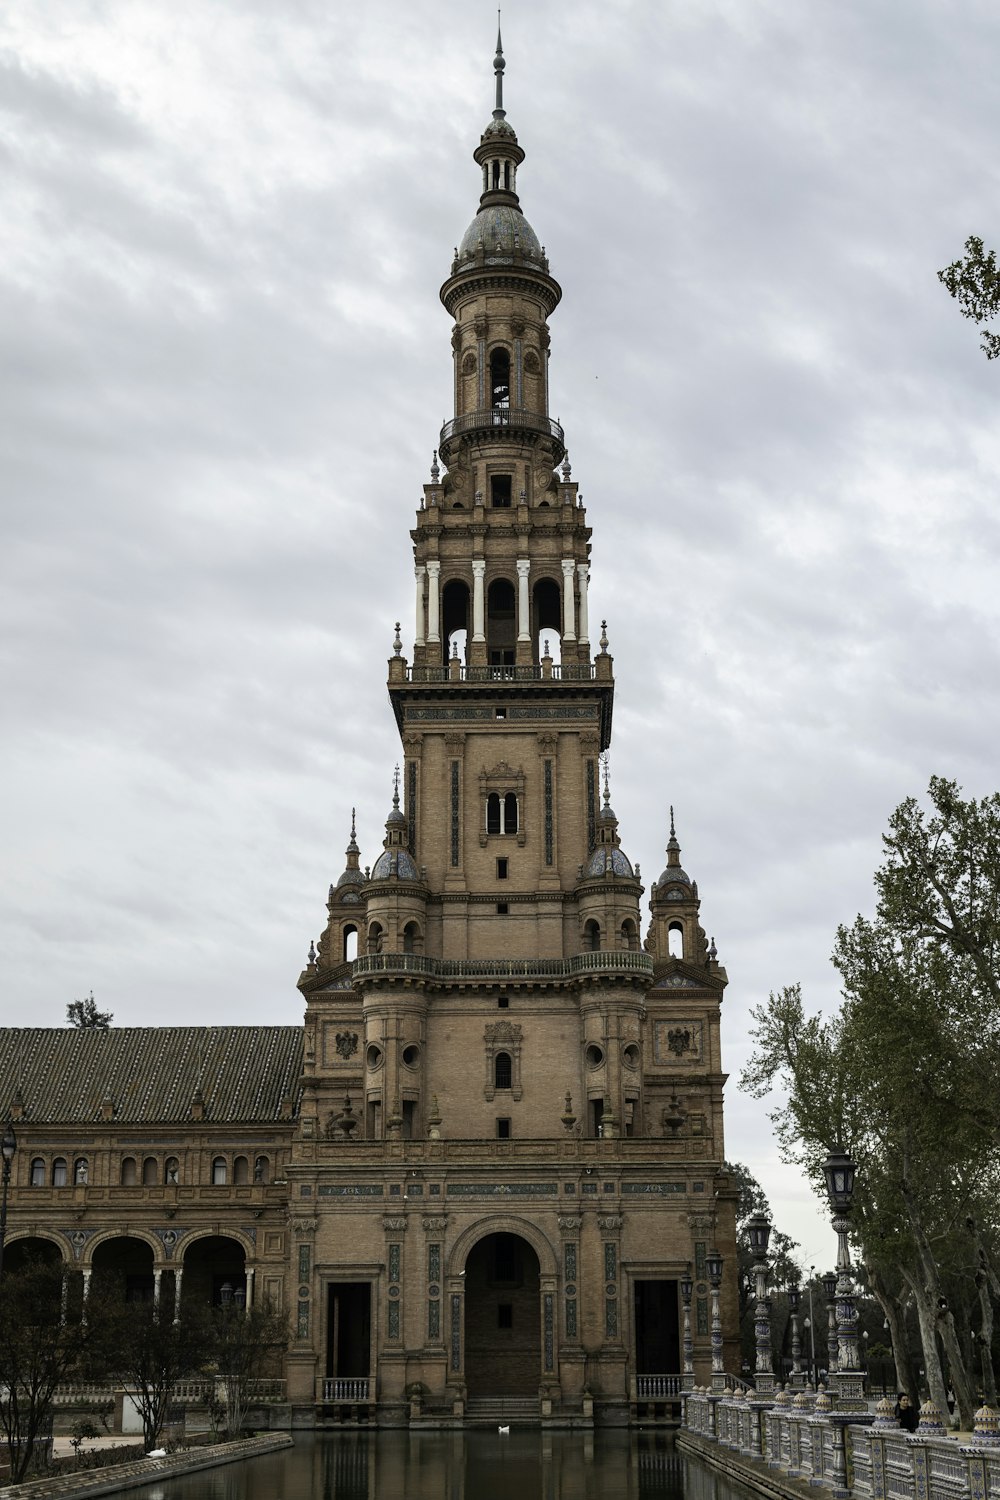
x=526, y=1465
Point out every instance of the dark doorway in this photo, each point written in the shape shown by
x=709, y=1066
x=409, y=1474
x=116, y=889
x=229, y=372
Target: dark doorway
x=502, y=1319
x=657, y=1332
x=349, y=1330
x=501, y=630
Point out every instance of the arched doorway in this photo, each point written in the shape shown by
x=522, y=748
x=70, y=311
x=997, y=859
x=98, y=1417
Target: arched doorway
x=28, y=1250
x=125, y=1264
x=503, y=1355
x=215, y=1271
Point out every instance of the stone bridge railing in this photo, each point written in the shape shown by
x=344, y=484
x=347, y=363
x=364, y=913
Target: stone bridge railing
x=803, y=1438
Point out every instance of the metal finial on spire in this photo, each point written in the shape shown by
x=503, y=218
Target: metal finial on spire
x=498, y=67
x=673, y=834
x=605, y=764
x=395, y=787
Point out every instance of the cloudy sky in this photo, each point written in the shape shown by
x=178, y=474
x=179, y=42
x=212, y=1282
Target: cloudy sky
x=224, y=365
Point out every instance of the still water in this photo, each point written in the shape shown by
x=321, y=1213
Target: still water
x=526, y=1465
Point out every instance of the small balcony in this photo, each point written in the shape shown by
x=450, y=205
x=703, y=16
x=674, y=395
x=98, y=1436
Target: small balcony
x=492, y=418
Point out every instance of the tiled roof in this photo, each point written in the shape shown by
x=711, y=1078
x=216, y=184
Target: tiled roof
x=150, y=1073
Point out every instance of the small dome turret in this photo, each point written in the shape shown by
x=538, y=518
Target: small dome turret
x=395, y=860
x=608, y=857
x=353, y=874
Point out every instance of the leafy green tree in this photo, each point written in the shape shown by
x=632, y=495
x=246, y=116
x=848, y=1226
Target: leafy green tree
x=904, y=1076
x=785, y=1270
x=245, y=1344
x=39, y=1348
x=974, y=282
x=85, y=1013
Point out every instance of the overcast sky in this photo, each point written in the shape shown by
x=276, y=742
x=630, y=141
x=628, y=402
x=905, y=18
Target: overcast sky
x=223, y=226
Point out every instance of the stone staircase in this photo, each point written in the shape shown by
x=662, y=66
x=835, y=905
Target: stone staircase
x=502, y=1411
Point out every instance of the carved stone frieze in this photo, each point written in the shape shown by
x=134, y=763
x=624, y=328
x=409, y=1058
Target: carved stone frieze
x=610, y=1223
x=392, y=1225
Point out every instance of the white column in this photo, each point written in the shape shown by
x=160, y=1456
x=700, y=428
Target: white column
x=433, y=603
x=86, y=1293
x=523, y=633
x=418, y=574
x=583, y=573
x=250, y=1271
x=569, y=613
x=478, y=599
x=178, y=1277
x=157, y=1274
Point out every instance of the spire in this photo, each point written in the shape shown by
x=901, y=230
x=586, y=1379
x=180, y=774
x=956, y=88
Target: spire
x=498, y=67
x=673, y=847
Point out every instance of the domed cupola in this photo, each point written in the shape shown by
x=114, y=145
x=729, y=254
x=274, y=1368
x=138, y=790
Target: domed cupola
x=673, y=874
x=608, y=888
x=608, y=858
x=396, y=861
x=353, y=874
x=675, y=932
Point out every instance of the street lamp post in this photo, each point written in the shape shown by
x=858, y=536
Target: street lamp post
x=8, y=1146
x=794, y=1296
x=840, y=1172
x=687, y=1287
x=829, y=1282
x=759, y=1231
x=713, y=1264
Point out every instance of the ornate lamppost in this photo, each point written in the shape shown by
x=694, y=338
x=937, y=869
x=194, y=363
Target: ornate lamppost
x=829, y=1285
x=713, y=1264
x=8, y=1146
x=687, y=1287
x=840, y=1172
x=759, y=1231
x=794, y=1296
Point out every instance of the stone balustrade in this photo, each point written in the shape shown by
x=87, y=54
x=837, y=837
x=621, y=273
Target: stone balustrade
x=803, y=1438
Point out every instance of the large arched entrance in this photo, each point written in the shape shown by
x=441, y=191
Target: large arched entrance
x=125, y=1264
x=502, y=1319
x=215, y=1272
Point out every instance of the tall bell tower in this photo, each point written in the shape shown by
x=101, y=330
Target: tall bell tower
x=494, y=1057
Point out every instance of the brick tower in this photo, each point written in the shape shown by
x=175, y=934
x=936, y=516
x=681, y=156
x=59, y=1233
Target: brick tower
x=510, y=1145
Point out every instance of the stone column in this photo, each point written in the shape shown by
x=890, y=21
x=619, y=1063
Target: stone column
x=433, y=602
x=87, y=1273
x=569, y=610
x=418, y=574
x=178, y=1278
x=523, y=632
x=478, y=599
x=583, y=574
x=157, y=1276
x=250, y=1282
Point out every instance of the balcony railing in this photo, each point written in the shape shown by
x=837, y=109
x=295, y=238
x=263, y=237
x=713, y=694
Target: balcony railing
x=501, y=417
x=658, y=1387
x=345, y=1390
x=558, y=672
x=624, y=961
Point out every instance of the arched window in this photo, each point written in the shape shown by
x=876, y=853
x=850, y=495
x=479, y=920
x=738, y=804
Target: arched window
x=510, y=813
x=411, y=938
x=546, y=606
x=129, y=1175
x=81, y=1171
x=220, y=1172
x=38, y=1171
x=454, y=618
x=493, y=806
x=502, y=1070
x=630, y=937
x=350, y=944
x=501, y=628
x=172, y=1171
x=499, y=379
x=60, y=1172
x=592, y=936
x=675, y=940
x=241, y=1171
x=262, y=1169
x=150, y=1172
x=375, y=936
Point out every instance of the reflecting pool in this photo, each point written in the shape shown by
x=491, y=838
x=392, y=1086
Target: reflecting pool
x=522, y=1465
